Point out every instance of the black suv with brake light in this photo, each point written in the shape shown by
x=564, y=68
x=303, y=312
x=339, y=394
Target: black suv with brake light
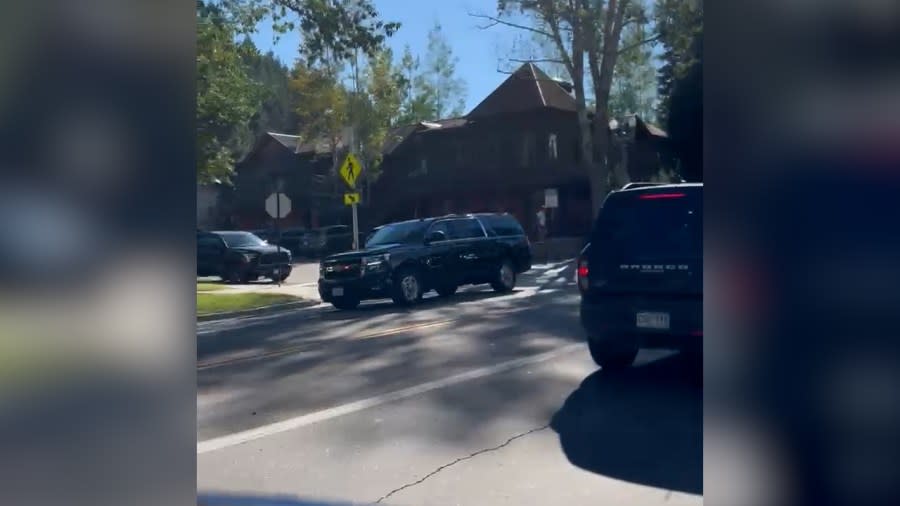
x=404, y=260
x=641, y=275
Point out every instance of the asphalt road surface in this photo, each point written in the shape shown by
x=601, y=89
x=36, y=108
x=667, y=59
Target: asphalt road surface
x=477, y=399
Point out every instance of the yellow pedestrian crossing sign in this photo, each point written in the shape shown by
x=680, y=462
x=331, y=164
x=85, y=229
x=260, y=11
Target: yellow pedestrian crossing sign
x=350, y=171
x=351, y=198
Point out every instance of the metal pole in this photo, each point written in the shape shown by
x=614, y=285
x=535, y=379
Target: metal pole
x=355, y=229
x=278, y=229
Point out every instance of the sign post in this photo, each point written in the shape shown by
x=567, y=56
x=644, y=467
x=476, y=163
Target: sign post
x=350, y=171
x=278, y=205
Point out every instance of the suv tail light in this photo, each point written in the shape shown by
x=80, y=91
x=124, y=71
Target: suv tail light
x=583, y=272
x=656, y=196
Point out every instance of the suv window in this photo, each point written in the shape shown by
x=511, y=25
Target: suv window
x=337, y=230
x=411, y=232
x=209, y=242
x=440, y=226
x=503, y=224
x=643, y=226
x=468, y=228
x=240, y=239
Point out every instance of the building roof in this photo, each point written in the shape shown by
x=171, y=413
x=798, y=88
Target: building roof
x=526, y=89
x=288, y=141
x=399, y=134
x=321, y=146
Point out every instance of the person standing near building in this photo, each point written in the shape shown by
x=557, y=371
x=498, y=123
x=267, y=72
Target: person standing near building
x=541, y=223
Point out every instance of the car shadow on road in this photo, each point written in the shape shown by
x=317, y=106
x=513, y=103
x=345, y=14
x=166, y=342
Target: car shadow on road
x=643, y=425
x=386, y=306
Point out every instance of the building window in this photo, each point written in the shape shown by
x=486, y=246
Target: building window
x=528, y=149
x=552, y=152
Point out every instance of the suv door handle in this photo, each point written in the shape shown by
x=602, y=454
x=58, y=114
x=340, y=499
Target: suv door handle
x=469, y=256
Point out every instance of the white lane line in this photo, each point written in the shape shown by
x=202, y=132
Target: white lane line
x=237, y=438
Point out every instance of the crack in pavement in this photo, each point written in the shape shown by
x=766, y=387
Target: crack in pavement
x=461, y=459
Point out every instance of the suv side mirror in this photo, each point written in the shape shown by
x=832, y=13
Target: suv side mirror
x=435, y=236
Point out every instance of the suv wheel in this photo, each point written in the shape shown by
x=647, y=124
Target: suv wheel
x=408, y=288
x=611, y=358
x=234, y=275
x=345, y=303
x=505, y=279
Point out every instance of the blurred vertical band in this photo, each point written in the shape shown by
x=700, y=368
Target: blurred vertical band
x=97, y=396
x=802, y=165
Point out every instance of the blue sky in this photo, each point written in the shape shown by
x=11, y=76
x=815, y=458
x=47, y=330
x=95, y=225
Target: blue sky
x=479, y=51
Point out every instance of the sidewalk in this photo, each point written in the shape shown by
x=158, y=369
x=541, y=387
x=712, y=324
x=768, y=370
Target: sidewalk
x=303, y=282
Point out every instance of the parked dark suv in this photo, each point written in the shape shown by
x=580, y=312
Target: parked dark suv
x=404, y=260
x=324, y=241
x=240, y=257
x=641, y=275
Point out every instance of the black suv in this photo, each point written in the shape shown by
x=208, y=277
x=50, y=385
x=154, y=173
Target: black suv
x=240, y=257
x=404, y=260
x=641, y=275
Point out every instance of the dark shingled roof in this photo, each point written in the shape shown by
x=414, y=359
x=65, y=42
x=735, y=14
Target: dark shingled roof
x=399, y=134
x=288, y=141
x=526, y=89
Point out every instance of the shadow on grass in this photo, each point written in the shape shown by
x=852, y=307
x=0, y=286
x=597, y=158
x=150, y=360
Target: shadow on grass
x=643, y=425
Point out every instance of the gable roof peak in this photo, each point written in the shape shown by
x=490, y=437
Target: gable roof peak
x=527, y=88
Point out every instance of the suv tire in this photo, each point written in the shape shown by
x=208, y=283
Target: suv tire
x=345, y=303
x=233, y=275
x=611, y=357
x=407, y=288
x=505, y=279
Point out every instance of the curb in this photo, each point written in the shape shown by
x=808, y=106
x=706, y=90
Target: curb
x=274, y=308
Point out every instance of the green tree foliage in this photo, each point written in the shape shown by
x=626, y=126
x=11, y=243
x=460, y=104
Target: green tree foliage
x=276, y=112
x=445, y=92
x=321, y=103
x=330, y=31
x=685, y=115
x=679, y=23
x=430, y=87
x=680, y=78
x=382, y=92
x=417, y=104
x=370, y=101
x=227, y=98
x=634, y=79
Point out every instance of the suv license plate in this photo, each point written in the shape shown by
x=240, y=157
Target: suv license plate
x=647, y=320
x=337, y=292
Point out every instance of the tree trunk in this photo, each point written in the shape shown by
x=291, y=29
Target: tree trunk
x=599, y=173
x=584, y=128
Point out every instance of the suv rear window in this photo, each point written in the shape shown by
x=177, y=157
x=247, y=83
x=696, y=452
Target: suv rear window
x=465, y=229
x=655, y=224
x=503, y=224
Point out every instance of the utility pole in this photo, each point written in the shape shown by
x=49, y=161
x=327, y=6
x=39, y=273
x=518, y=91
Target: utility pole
x=353, y=145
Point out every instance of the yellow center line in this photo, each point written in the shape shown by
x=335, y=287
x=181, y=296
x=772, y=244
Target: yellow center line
x=295, y=349
x=400, y=330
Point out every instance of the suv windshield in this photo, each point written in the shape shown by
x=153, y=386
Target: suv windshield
x=398, y=233
x=240, y=239
x=640, y=226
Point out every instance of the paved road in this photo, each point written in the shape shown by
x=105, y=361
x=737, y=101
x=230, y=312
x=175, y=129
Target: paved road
x=479, y=399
